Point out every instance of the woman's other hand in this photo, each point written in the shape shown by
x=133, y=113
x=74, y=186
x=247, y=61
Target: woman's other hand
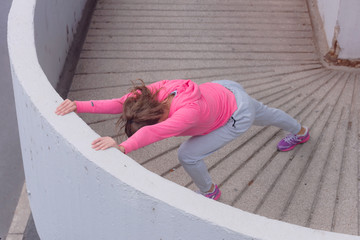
x=121, y=148
x=66, y=107
x=105, y=143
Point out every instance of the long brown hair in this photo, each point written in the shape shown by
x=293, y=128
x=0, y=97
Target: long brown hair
x=140, y=109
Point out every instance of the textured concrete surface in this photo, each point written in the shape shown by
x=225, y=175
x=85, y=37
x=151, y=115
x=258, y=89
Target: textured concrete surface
x=268, y=47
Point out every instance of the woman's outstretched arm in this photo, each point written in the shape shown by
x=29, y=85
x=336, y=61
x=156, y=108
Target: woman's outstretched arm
x=109, y=106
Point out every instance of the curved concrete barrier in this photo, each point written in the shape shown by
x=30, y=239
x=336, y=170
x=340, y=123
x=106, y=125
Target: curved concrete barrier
x=78, y=193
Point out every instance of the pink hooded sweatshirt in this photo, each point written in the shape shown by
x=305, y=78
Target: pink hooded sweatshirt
x=195, y=110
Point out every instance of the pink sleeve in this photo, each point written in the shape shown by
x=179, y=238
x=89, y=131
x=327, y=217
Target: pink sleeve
x=179, y=122
x=110, y=106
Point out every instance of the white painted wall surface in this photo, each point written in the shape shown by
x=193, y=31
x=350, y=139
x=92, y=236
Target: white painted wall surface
x=346, y=15
x=55, y=26
x=78, y=193
x=329, y=13
x=349, y=22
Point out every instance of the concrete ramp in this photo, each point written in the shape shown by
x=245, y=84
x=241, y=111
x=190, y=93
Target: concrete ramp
x=269, y=48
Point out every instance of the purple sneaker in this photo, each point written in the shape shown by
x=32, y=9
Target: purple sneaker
x=214, y=194
x=291, y=140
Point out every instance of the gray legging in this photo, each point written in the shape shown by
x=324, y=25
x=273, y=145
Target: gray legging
x=249, y=112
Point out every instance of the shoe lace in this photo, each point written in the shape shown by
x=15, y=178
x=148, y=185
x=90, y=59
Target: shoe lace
x=291, y=138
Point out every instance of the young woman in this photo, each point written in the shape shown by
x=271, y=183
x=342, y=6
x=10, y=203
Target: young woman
x=213, y=113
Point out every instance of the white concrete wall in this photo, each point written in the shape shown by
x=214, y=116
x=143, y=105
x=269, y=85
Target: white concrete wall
x=329, y=12
x=78, y=193
x=343, y=15
x=349, y=35
x=55, y=26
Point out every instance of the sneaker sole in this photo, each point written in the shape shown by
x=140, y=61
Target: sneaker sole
x=292, y=147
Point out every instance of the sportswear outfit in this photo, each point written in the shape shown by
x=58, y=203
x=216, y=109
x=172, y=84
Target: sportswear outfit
x=213, y=113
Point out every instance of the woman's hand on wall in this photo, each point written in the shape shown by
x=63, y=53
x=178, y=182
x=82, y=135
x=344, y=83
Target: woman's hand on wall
x=121, y=148
x=66, y=107
x=105, y=143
